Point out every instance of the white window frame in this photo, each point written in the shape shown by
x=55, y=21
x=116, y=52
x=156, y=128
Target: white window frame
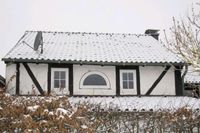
x=107, y=86
x=66, y=89
x=128, y=91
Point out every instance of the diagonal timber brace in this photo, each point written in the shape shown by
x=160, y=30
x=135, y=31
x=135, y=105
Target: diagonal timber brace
x=32, y=76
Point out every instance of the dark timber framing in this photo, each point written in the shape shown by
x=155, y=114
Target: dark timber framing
x=177, y=75
x=54, y=65
x=157, y=80
x=17, y=78
x=118, y=68
x=49, y=79
x=32, y=76
x=178, y=81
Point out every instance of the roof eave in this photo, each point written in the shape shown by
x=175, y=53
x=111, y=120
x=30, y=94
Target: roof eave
x=8, y=60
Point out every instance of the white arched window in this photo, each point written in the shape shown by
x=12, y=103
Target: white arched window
x=94, y=80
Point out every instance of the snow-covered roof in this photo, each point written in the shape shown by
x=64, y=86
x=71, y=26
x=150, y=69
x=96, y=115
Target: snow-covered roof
x=192, y=76
x=77, y=47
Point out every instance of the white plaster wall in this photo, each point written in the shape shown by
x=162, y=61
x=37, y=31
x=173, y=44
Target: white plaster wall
x=11, y=78
x=149, y=74
x=26, y=84
x=79, y=71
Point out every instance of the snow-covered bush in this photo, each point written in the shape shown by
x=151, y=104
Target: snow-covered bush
x=57, y=114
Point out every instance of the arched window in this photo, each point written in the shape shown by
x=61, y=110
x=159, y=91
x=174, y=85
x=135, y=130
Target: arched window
x=94, y=80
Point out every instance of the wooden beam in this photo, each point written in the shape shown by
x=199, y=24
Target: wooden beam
x=33, y=78
x=157, y=80
x=71, y=80
x=138, y=80
x=178, y=81
x=117, y=81
x=17, y=78
x=49, y=79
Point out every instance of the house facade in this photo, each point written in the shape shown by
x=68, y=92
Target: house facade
x=92, y=64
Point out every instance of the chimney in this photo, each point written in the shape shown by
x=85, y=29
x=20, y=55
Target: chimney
x=152, y=32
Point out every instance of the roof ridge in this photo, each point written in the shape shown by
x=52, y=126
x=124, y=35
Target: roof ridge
x=77, y=32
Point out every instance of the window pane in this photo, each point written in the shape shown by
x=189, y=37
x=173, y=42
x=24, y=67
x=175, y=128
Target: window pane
x=56, y=83
x=130, y=84
x=125, y=85
x=124, y=76
x=94, y=79
x=56, y=75
x=130, y=76
x=62, y=83
x=62, y=74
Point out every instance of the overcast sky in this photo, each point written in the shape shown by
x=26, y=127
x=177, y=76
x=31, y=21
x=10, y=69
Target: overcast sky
x=121, y=16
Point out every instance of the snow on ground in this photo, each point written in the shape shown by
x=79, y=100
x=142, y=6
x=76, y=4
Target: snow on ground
x=140, y=103
x=123, y=103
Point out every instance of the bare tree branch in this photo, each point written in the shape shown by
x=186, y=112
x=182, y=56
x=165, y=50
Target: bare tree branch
x=185, y=38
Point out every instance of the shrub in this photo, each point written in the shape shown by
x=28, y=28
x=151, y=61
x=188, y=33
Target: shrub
x=57, y=114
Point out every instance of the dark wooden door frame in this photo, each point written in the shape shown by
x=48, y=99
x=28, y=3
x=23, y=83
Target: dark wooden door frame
x=118, y=68
x=63, y=65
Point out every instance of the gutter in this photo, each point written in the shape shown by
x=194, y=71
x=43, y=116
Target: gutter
x=7, y=60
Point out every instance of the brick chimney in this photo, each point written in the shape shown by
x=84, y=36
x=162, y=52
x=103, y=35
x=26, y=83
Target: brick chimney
x=152, y=32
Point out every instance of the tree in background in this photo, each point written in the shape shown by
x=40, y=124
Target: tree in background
x=185, y=37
